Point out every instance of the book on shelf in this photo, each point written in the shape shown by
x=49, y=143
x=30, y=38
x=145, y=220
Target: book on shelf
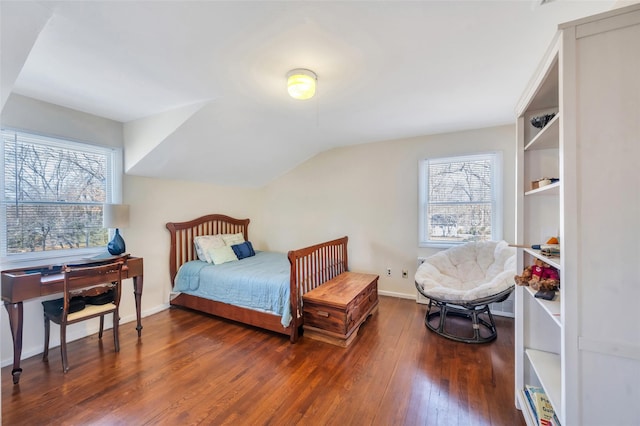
x=541, y=407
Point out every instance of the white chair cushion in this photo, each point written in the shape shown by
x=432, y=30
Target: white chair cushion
x=90, y=310
x=468, y=272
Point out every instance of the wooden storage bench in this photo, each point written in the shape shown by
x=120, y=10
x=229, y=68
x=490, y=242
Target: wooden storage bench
x=334, y=311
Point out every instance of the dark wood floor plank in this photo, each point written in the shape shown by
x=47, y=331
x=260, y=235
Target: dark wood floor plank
x=189, y=368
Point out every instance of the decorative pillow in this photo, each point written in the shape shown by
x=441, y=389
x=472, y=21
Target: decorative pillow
x=206, y=242
x=233, y=239
x=222, y=255
x=243, y=250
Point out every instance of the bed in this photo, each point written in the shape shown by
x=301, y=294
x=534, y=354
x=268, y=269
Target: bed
x=308, y=268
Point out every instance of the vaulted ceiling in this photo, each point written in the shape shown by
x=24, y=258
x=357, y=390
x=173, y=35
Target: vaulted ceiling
x=201, y=85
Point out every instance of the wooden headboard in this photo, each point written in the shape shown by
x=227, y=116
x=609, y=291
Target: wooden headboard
x=183, y=233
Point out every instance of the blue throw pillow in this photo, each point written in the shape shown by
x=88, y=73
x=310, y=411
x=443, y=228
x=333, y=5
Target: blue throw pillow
x=243, y=250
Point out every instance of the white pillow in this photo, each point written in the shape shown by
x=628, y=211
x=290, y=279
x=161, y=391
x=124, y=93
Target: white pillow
x=233, y=239
x=206, y=242
x=222, y=254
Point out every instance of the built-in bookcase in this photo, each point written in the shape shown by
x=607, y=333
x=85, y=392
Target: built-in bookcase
x=577, y=346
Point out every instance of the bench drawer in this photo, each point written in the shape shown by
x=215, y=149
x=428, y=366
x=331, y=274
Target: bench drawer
x=325, y=317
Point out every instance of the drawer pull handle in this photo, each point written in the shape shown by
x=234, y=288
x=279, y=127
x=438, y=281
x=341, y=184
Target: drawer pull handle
x=323, y=314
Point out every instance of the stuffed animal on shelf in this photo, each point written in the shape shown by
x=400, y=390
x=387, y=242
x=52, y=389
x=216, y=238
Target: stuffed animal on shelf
x=539, y=276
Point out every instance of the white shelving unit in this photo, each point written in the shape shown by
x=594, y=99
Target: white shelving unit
x=583, y=347
x=551, y=307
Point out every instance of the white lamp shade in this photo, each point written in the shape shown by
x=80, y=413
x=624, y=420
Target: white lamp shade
x=301, y=83
x=115, y=215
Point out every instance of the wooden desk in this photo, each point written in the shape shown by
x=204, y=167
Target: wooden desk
x=23, y=284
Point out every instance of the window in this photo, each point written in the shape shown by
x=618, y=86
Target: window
x=460, y=199
x=52, y=192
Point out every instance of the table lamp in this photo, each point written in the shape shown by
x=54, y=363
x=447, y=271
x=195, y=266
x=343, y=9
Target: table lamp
x=116, y=216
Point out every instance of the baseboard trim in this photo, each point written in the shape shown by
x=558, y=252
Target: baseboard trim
x=28, y=353
x=398, y=295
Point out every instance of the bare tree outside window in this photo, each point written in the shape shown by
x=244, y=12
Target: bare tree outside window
x=52, y=194
x=459, y=199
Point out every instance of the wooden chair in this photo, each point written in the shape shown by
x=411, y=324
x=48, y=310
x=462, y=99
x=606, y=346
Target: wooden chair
x=79, y=278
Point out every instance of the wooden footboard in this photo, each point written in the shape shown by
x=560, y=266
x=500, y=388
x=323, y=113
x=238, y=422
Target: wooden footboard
x=310, y=267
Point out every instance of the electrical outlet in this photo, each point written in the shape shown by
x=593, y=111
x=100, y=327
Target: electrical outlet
x=405, y=273
x=388, y=272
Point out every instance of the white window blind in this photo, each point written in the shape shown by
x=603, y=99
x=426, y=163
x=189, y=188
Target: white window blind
x=52, y=193
x=460, y=199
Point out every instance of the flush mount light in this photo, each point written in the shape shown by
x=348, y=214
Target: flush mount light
x=301, y=83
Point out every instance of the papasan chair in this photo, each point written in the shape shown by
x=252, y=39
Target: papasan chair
x=463, y=281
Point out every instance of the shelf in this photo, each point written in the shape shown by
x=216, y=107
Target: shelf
x=552, y=307
x=552, y=189
x=560, y=344
x=543, y=90
x=553, y=261
x=548, y=368
x=528, y=415
x=548, y=137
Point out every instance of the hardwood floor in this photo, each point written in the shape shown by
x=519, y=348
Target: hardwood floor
x=189, y=368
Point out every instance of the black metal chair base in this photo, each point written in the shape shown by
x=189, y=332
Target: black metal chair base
x=445, y=310
x=484, y=330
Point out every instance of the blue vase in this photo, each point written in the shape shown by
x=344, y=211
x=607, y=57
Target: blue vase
x=116, y=246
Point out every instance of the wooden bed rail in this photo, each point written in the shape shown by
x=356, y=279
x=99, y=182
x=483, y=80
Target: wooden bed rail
x=312, y=266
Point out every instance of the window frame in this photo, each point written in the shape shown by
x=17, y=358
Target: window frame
x=113, y=195
x=497, y=195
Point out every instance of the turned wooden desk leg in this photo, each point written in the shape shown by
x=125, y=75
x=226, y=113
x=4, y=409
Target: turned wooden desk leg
x=137, y=292
x=15, y=322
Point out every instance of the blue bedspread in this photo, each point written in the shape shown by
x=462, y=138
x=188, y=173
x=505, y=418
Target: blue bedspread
x=259, y=282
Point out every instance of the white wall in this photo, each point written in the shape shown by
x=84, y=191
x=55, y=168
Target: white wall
x=24, y=113
x=153, y=203
x=368, y=192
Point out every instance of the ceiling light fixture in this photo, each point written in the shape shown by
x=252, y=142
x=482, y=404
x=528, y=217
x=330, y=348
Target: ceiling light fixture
x=301, y=83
